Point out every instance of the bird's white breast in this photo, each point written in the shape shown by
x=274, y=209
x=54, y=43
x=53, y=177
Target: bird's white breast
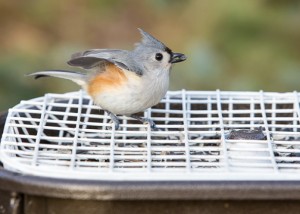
x=133, y=93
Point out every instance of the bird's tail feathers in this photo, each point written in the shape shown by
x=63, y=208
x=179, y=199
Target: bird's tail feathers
x=77, y=77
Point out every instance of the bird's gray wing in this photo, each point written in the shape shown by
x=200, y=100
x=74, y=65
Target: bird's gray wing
x=92, y=58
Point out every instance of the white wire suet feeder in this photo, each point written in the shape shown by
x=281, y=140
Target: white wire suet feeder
x=201, y=135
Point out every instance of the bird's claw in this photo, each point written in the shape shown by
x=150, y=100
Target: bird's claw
x=116, y=124
x=150, y=122
x=145, y=121
x=114, y=120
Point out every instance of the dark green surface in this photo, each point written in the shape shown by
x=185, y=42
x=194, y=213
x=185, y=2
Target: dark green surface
x=37, y=205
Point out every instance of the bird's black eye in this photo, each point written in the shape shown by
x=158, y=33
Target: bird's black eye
x=158, y=56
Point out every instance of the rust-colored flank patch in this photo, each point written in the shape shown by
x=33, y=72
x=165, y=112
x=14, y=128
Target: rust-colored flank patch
x=109, y=79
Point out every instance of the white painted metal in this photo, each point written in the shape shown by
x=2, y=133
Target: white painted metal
x=66, y=136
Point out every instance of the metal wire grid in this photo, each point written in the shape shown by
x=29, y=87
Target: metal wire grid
x=66, y=136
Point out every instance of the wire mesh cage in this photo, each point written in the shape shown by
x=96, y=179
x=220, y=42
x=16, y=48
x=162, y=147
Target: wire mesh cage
x=200, y=135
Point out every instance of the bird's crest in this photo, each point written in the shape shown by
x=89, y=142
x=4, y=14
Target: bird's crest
x=149, y=41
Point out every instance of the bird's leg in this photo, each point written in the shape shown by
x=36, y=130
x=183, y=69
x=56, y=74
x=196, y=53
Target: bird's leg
x=144, y=120
x=114, y=118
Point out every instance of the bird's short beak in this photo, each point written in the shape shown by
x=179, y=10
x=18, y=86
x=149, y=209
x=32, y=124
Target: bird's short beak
x=177, y=57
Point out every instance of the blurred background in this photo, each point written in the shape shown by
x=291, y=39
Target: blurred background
x=230, y=45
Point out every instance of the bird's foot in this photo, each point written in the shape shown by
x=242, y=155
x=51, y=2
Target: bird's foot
x=114, y=119
x=145, y=121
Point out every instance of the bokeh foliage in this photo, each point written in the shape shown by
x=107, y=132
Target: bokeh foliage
x=231, y=45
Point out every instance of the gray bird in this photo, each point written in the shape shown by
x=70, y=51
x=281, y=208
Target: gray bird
x=123, y=82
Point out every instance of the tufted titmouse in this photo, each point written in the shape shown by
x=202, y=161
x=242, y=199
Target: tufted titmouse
x=120, y=81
